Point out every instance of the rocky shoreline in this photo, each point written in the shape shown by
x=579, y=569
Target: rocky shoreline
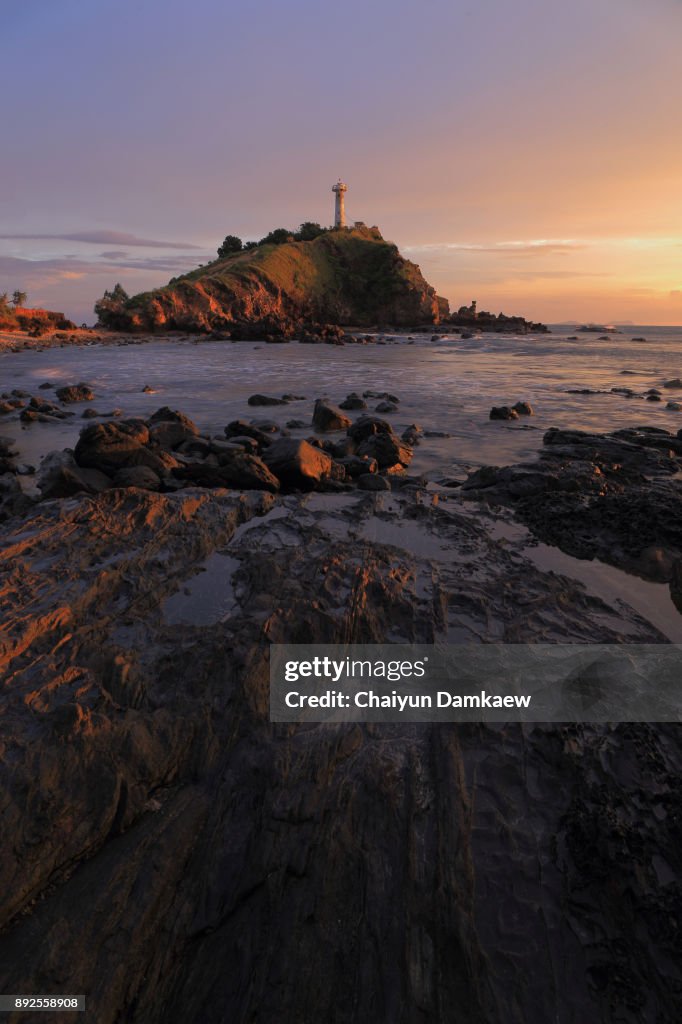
x=148, y=796
x=162, y=824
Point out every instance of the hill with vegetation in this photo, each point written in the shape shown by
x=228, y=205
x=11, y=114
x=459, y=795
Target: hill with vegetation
x=15, y=316
x=340, y=276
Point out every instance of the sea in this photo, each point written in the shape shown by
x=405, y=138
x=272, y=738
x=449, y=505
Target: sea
x=444, y=383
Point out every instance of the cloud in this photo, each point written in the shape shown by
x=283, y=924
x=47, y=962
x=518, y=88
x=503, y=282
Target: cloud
x=531, y=247
x=104, y=238
x=67, y=266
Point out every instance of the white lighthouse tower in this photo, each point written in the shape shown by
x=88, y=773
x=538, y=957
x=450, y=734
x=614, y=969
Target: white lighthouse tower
x=340, y=205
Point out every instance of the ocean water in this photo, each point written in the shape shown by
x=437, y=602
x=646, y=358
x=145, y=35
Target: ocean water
x=446, y=385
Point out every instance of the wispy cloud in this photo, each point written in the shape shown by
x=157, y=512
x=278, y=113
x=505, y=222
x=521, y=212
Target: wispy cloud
x=526, y=247
x=103, y=238
x=18, y=272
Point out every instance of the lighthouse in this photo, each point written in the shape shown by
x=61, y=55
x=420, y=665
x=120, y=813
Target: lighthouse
x=340, y=205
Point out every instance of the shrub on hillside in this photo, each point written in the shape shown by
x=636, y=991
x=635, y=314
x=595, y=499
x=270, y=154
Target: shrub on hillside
x=231, y=245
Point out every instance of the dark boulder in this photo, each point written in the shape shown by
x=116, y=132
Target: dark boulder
x=373, y=482
x=366, y=426
x=353, y=401
x=328, y=417
x=388, y=450
x=60, y=477
x=110, y=446
x=170, y=428
x=523, y=409
x=503, y=412
x=298, y=464
x=266, y=400
x=75, y=393
x=41, y=405
x=137, y=476
x=240, y=428
x=234, y=470
x=356, y=466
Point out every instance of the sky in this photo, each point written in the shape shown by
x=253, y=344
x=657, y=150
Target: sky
x=526, y=153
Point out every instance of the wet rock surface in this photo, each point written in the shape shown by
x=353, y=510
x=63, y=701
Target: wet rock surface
x=614, y=496
x=177, y=857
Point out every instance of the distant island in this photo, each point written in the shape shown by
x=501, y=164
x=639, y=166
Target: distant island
x=290, y=283
x=498, y=323
x=344, y=276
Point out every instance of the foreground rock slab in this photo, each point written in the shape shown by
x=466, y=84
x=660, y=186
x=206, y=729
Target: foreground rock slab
x=158, y=818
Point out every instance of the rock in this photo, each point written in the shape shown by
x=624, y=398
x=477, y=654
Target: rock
x=366, y=426
x=503, y=412
x=353, y=401
x=297, y=464
x=111, y=446
x=137, y=476
x=296, y=424
x=328, y=417
x=523, y=408
x=49, y=409
x=60, y=477
x=653, y=398
x=267, y=426
x=386, y=407
x=414, y=430
x=240, y=428
x=676, y=382
x=343, y=448
x=293, y=398
x=387, y=449
x=674, y=406
x=75, y=393
x=148, y=390
x=235, y=469
x=45, y=386
x=609, y=496
x=90, y=414
x=6, y=408
x=170, y=428
x=33, y=416
x=266, y=400
x=386, y=395
x=356, y=466
x=373, y=482
x=244, y=444
x=207, y=836
x=639, y=339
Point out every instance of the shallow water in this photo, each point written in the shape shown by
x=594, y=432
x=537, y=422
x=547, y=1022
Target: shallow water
x=448, y=385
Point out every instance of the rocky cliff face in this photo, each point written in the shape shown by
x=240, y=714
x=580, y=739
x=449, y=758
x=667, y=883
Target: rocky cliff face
x=176, y=857
x=342, y=277
x=34, y=321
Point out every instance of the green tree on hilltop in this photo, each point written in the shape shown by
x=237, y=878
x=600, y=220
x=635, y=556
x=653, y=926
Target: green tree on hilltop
x=309, y=230
x=19, y=298
x=110, y=305
x=277, y=237
x=231, y=245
